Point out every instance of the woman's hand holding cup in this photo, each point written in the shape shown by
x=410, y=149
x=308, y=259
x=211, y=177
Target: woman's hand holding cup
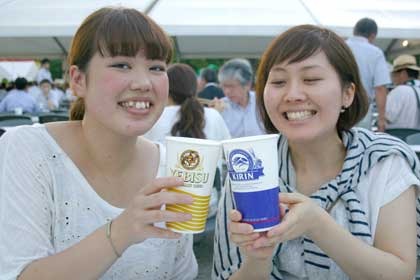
x=245, y=238
x=136, y=223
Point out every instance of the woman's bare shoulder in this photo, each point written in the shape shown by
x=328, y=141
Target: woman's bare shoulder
x=66, y=134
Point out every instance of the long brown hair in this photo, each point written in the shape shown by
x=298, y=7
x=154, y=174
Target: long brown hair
x=298, y=44
x=182, y=90
x=114, y=31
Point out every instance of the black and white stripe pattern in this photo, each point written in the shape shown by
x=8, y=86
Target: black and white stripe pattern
x=302, y=256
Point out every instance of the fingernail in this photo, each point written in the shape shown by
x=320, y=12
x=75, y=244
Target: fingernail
x=179, y=180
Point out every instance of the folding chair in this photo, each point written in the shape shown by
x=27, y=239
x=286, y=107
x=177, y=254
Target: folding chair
x=402, y=133
x=413, y=139
x=14, y=120
x=45, y=118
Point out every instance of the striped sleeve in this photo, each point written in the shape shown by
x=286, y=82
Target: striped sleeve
x=226, y=257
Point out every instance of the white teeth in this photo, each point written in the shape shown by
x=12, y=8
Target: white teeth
x=136, y=104
x=298, y=116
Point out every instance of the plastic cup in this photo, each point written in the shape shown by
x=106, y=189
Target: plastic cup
x=194, y=160
x=252, y=164
x=18, y=111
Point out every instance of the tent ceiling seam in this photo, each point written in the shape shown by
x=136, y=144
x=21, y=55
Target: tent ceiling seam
x=309, y=12
x=177, y=49
x=150, y=7
x=60, y=45
x=390, y=47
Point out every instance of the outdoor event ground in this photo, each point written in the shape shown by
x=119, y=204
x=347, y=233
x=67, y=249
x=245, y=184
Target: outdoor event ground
x=203, y=249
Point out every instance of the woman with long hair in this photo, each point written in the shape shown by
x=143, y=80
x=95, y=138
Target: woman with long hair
x=184, y=115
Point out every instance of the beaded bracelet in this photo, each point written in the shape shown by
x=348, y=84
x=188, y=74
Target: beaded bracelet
x=108, y=236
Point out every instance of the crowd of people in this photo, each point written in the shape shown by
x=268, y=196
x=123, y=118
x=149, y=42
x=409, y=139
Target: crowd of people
x=88, y=202
x=38, y=96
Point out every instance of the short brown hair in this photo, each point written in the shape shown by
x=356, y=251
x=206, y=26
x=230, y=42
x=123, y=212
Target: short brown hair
x=114, y=31
x=300, y=43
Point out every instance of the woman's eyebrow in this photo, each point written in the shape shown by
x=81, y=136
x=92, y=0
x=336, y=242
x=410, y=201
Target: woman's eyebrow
x=307, y=67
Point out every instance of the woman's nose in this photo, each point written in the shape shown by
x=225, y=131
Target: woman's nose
x=295, y=92
x=141, y=82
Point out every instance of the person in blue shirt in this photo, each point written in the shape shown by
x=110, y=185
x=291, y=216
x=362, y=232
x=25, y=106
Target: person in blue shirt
x=19, y=98
x=373, y=69
x=238, y=108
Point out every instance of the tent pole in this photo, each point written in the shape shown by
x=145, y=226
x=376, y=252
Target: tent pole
x=176, y=47
x=63, y=49
x=390, y=47
x=150, y=7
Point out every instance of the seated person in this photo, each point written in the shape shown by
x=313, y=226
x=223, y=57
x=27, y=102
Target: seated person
x=19, y=98
x=46, y=99
x=184, y=115
x=238, y=108
x=207, y=83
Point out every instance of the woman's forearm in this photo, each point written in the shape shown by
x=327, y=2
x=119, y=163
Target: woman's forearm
x=88, y=259
x=253, y=269
x=356, y=258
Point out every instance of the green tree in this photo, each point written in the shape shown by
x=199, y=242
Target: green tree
x=56, y=68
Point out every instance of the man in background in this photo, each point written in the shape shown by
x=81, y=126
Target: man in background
x=238, y=107
x=47, y=100
x=403, y=102
x=207, y=84
x=19, y=98
x=44, y=72
x=372, y=67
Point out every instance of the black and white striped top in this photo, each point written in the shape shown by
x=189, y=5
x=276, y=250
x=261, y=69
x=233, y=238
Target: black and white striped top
x=301, y=258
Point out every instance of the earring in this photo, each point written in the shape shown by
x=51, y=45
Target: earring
x=343, y=109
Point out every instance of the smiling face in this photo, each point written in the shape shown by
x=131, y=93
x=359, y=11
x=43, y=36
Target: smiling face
x=304, y=99
x=125, y=94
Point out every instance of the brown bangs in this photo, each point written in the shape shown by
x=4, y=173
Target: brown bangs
x=296, y=47
x=123, y=32
x=300, y=43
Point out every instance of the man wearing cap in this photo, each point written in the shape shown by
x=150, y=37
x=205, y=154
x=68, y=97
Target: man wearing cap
x=372, y=67
x=403, y=102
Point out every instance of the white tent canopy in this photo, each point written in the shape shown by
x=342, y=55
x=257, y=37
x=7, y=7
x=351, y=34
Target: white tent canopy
x=10, y=70
x=207, y=28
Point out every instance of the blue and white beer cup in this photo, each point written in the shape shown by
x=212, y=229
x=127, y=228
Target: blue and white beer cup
x=252, y=164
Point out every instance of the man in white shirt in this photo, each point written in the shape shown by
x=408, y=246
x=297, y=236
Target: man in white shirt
x=403, y=102
x=372, y=67
x=238, y=107
x=47, y=100
x=44, y=72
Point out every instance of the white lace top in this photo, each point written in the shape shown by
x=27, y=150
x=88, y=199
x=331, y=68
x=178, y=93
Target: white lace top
x=46, y=206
